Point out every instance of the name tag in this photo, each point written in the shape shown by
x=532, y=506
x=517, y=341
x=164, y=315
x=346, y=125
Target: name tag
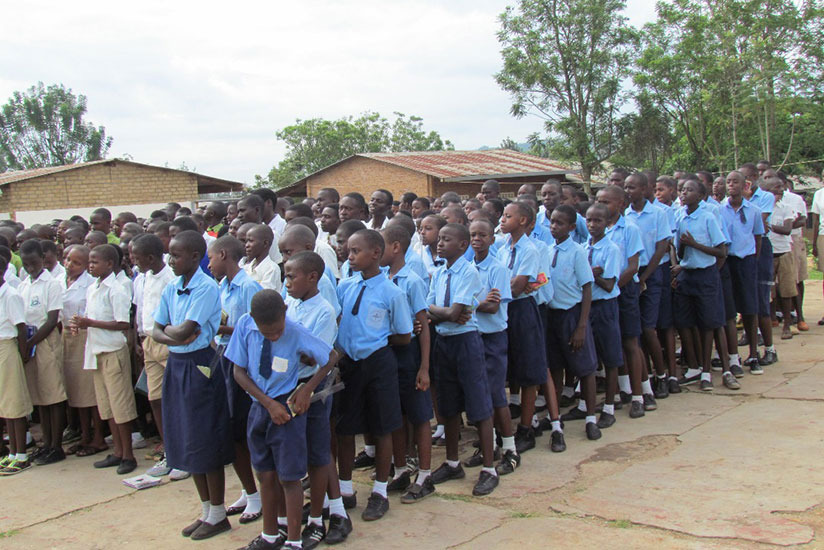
x=279, y=364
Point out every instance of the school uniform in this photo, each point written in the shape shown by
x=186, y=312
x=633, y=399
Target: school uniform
x=415, y=263
x=11, y=277
x=817, y=207
x=742, y=225
x=543, y=294
x=278, y=226
x=542, y=234
x=197, y=434
x=765, y=202
x=462, y=383
x=581, y=233
x=784, y=264
x=698, y=291
x=148, y=289
x=266, y=272
x=79, y=381
x=329, y=257
x=372, y=310
x=274, y=367
x=346, y=271
x=665, y=303
x=15, y=401
x=44, y=372
x=654, y=227
x=796, y=202
x=318, y=317
x=126, y=283
x=603, y=316
x=492, y=326
x=58, y=273
x=569, y=272
x=627, y=237
x=430, y=262
x=107, y=352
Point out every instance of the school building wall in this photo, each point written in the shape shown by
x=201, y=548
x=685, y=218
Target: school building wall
x=365, y=175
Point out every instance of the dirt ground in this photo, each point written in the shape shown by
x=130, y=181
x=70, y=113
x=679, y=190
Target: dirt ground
x=720, y=470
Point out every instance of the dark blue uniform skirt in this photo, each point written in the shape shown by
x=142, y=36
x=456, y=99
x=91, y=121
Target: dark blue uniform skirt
x=196, y=425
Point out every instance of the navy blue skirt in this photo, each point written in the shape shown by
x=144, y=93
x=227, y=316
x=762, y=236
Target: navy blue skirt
x=196, y=422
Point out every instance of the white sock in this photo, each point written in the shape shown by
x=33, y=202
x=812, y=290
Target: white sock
x=734, y=359
x=315, y=521
x=217, y=513
x=674, y=378
x=336, y=507
x=508, y=443
x=582, y=405
x=540, y=401
x=494, y=439
x=692, y=372
x=609, y=409
x=22, y=457
x=369, y=450
x=380, y=488
x=646, y=387
x=422, y=475
x=769, y=348
x=346, y=488
x=661, y=376
x=399, y=471
x=556, y=426
x=535, y=423
x=453, y=463
x=325, y=502
x=29, y=438
x=706, y=376
x=271, y=539
x=590, y=419
x=567, y=391
x=715, y=354
x=295, y=543
x=639, y=398
x=601, y=373
x=283, y=522
x=578, y=387
x=439, y=431
x=253, y=505
x=515, y=399
x=623, y=383
x=242, y=501
x=205, y=507
x=490, y=470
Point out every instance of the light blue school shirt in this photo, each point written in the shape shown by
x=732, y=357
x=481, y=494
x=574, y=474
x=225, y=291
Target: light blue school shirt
x=669, y=211
x=520, y=259
x=741, y=233
x=765, y=202
x=245, y=348
x=493, y=275
x=346, y=271
x=712, y=201
x=236, y=299
x=430, y=262
x=413, y=287
x=569, y=272
x=627, y=237
x=654, y=227
x=318, y=317
x=415, y=262
x=581, y=234
x=604, y=254
x=544, y=294
x=464, y=286
x=198, y=302
x=326, y=289
x=329, y=275
x=715, y=210
x=705, y=229
x=383, y=311
x=542, y=234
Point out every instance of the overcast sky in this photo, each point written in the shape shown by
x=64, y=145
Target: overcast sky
x=182, y=81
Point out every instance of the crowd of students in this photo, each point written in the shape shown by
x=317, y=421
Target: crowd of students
x=236, y=324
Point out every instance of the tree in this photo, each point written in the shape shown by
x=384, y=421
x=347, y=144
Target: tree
x=565, y=61
x=316, y=143
x=45, y=127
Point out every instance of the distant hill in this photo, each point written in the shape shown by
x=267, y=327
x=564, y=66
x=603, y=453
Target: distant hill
x=522, y=147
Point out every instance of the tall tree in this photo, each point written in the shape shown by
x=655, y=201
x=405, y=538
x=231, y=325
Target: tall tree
x=45, y=127
x=564, y=61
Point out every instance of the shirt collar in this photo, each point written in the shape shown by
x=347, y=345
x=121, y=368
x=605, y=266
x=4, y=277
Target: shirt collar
x=599, y=244
x=458, y=265
x=45, y=275
x=486, y=261
x=108, y=281
x=402, y=272
x=564, y=245
x=696, y=213
x=240, y=277
x=193, y=282
x=372, y=282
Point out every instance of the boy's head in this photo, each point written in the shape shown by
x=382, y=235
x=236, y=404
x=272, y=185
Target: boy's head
x=517, y=217
x=214, y=213
x=419, y=205
x=258, y=241
x=95, y=238
x=101, y=220
x=186, y=249
x=749, y=171
x=45, y=232
x=380, y=203
x=146, y=251
x=130, y=230
x=269, y=313
x=562, y=222
x=481, y=234
x=243, y=231
x=430, y=229
x=495, y=207
x=614, y=198
x=773, y=185
x=329, y=220
x=692, y=192
x=183, y=223
x=736, y=184
x=74, y=235
x=51, y=256
x=23, y=236
x=250, y=209
x=490, y=189
x=327, y=196
x=299, y=210
x=308, y=223
x=302, y=272
x=551, y=194
x=234, y=225
x=526, y=189
x=270, y=202
x=161, y=231
x=617, y=177
x=636, y=187
x=471, y=205
x=666, y=189
x=345, y=230
x=404, y=221
x=597, y=218
x=296, y=238
x=121, y=220
x=569, y=195
x=103, y=261
x=352, y=207
x=454, y=214
x=453, y=240
x=76, y=260
x=365, y=250
x=406, y=201
x=5, y=256
x=224, y=251
x=396, y=241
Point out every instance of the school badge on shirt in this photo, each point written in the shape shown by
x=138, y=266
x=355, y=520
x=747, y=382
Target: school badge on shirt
x=376, y=317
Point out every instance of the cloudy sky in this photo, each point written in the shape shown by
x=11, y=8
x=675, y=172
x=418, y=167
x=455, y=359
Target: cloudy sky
x=191, y=82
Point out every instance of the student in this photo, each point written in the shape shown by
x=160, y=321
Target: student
x=15, y=403
x=430, y=228
x=196, y=432
x=329, y=223
x=321, y=248
x=101, y=220
x=413, y=372
x=298, y=238
x=51, y=260
x=214, y=216
x=369, y=403
x=419, y=205
x=107, y=354
x=352, y=206
x=784, y=264
x=257, y=263
x=380, y=205
x=412, y=258
x=344, y=232
x=43, y=300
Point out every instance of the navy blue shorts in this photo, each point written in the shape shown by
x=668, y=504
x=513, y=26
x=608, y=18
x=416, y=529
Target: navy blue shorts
x=370, y=402
x=433, y=368
x=606, y=331
x=665, y=304
x=416, y=405
x=726, y=292
x=543, y=313
x=698, y=299
x=196, y=424
x=744, y=283
x=318, y=436
x=526, y=349
x=650, y=299
x=462, y=385
x=629, y=313
x=562, y=323
x=765, y=277
x=239, y=401
x=495, y=346
x=274, y=448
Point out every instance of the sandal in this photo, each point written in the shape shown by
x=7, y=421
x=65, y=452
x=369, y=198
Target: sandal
x=235, y=510
x=74, y=448
x=88, y=450
x=249, y=518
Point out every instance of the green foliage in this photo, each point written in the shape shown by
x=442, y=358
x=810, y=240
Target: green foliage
x=316, y=143
x=45, y=127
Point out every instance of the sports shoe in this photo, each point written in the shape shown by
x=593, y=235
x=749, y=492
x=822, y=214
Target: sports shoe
x=259, y=543
x=477, y=458
x=705, y=385
x=55, y=455
x=573, y=414
x=350, y=501
x=307, y=509
x=737, y=371
x=593, y=431
x=376, y=507
x=768, y=358
x=660, y=388
x=70, y=435
x=716, y=365
x=138, y=442
x=399, y=483
x=514, y=411
x=636, y=409
x=730, y=381
x=363, y=460
x=606, y=420
x=625, y=397
x=160, y=469
x=649, y=402
x=418, y=492
x=339, y=529
x=6, y=460
x=445, y=472
x=524, y=439
x=178, y=475
x=312, y=536
x=15, y=467
x=754, y=365
x=673, y=385
x=509, y=462
x=556, y=442
x=485, y=485
x=688, y=380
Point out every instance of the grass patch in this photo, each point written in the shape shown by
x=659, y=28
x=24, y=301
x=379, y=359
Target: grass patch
x=522, y=515
x=8, y=534
x=620, y=523
x=450, y=496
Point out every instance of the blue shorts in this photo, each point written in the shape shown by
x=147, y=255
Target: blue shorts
x=765, y=277
x=416, y=405
x=726, y=292
x=744, y=283
x=606, y=331
x=650, y=299
x=369, y=402
x=665, y=305
x=698, y=299
x=562, y=323
x=239, y=401
x=495, y=346
x=274, y=448
x=318, y=436
x=462, y=385
x=526, y=350
x=629, y=313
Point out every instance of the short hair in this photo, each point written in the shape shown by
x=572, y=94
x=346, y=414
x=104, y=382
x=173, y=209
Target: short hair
x=220, y=208
x=409, y=197
x=48, y=246
x=461, y=230
x=373, y=238
x=450, y=196
x=483, y=217
x=359, y=199
x=350, y=227
x=307, y=222
x=104, y=212
x=4, y=241
x=532, y=200
x=524, y=210
x=267, y=307
x=265, y=195
x=80, y=220
x=132, y=227
x=159, y=215
x=128, y=216
x=108, y=253
x=617, y=192
x=397, y=234
x=404, y=221
x=458, y=211
x=303, y=210
x=254, y=201
x=623, y=171
x=600, y=207
x=568, y=211
x=98, y=236
x=5, y=252
x=334, y=206
x=388, y=194
x=265, y=229
x=163, y=227
x=440, y=221
x=183, y=211
x=300, y=233
x=668, y=181
x=424, y=201
x=493, y=184
x=748, y=165
x=642, y=178
x=498, y=204
x=148, y=244
x=185, y=223
x=193, y=241
x=330, y=191
x=233, y=247
x=307, y=261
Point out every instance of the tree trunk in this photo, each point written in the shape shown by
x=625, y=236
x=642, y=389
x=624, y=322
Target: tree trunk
x=586, y=175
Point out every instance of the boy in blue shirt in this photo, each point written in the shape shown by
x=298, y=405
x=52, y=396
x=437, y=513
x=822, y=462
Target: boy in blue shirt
x=267, y=350
x=459, y=353
x=297, y=238
x=375, y=315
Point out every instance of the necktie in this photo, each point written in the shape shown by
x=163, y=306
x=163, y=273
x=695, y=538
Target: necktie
x=512, y=258
x=395, y=280
x=555, y=257
x=742, y=216
x=591, y=250
x=447, y=298
x=186, y=291
x=356, y=307
x=265, y=368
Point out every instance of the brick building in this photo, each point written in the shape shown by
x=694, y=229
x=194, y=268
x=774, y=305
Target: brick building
x=40, y=195
x=431, y=173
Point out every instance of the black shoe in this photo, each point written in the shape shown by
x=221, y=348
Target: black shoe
x=445, y=472
x=616, y=405
x=636, y=410
x=625, y=397
x=524, y=439
x=768, y=358
x=510, y=461
x=108, y=462
x=127, y=466
x=556, y=442
x=744, y=341
x=716, y=365
x=307, y=510
x=661, y=388
x=259, y=543
x=674, y=386
x=545, y=424
x=573, y=414
x=339, y=529
x=737, y=371
x=485, y=485
x=439, y=441
x=687, y=380
x=606, y=420
x=649, y=402
x=376, y=507
x=537, y=430
x=350, y=501
x=54, y=455
x=363, y=460
x=514, y=411
x=477, y=458
x=191, y=528
x=400, y=483
x=593, y=431
x=207, y=530
x=312, y=535
x=705, y=385
x=540, y=408
x=37, y=452
x=566, y=401
x=418, y=492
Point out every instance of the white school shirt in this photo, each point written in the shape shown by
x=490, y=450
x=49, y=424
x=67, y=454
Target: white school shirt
x=12, y=312
x=818, y=208
x=11, y=276
x=329, y=257
x=106, y=300
x=278, y=226
x=126, y=283
x=74, y=296
x=59, y=272
x=799, y=207
x=267, y=272
x=148, y=288
x=782, y=212
x=40, y=297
